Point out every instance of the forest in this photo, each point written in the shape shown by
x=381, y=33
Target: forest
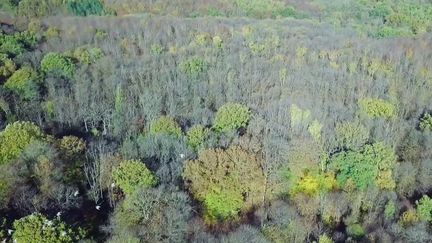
x=255, y=121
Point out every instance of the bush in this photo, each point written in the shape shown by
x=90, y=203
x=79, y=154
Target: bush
x=57, y=64
x=389, y=210
x=424, y=209
x=85, y=7
x=7, y=66
x=10, y=45
x=219, y=178
x=16, y=137
x=372, y=165
x=351, y=135
x=86, y=55
x=426, y=123
x=196, y=136
x=374, y=108
x=131, y=175
x=311, y=185
x=36, y=228
x=231, y=116
x=408, y=218
x=24, y=83
x=165, y=125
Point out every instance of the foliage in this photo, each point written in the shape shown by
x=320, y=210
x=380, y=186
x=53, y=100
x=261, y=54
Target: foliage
x=131, y=175
x=374, y=108
x=23, y=82
x=298, y=116
x=86, y=55
x=7, y=66
x=193, y=66
x=315, y=130
x=408, y=218
x=72, y=145
x=351, y=135
x=16, y=137
x=10, y=45
x=372, y=165
x=324, y=239
x=57, y=64
x=312, y=184
x=196, y=136
x=85, y=7
x=231, y=116
x=37, y=228
x=390, y=210
x=426, y=122
x=356, y=231
x=219, y=178
x=424, y=209
x=165, y=125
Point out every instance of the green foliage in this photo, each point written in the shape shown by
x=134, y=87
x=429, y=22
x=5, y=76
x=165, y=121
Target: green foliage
x=131, y=175
x=220, y=178
x=85, y=7
x=72, y=145
x=193, y=66
x=57, y=64
x=36, y=228
x=86, y=55
x=372, y=165
x=23, y=82
x=196, y=136
x=16, y=137
x=351, y=135
x=356, y=231
x=7, y=66
x=390, y=210
x=165, y=125
x=315, y=130
x=156, y=49
x=220, y=205
x=426, y=122
x=298, y=116
x=424, y=209
x=374, y=108
x=325, y=239
x=265, y=8
x=231, y=116
x=312, y=184
x=408, y=218
x=10, y=45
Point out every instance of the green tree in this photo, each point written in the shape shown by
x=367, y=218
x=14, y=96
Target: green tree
x=24, y=83
x=132, y=174
x=85, y=7
x=351, y=135
x=16, y=137
x=196, y=136
x=7, y=66
x=374, y=107
x=231, y=116
x=220, y=178
x=372, y=165
x=424, y=209
x=57, y=64
x=165, y=125
x=35, y=228
x=426, y=122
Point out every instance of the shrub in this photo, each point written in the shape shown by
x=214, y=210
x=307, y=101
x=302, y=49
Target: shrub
x=36, y=228
x=231, y=116
x=356, y=231
x=424, y=209
x=324, y=239
x=196, y=136
x=86, y=55
x=72, y=145
x=165, y=125
x=132, y=174
x=57, y=64
x=16, y=137
x=10, y=45
x=193, y=67
x=23, y=82
x=219, y=178
x=374, y=108
x=7, y=66
x=426, y=122
x=85, y=7
x=408, y=218
x=389, y=210
x=351, y=135
x=311, y=185
x=373, y=164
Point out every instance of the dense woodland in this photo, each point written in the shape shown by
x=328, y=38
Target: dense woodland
x=216, y=121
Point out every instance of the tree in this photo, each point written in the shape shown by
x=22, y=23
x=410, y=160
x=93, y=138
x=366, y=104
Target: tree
x=57, y=64
x=153, y=215
x=225, y=181
x=165, y=125
x=85, y=7
x=426, y=122
x=132, y=174
x=196, y=136
x=372, y=165
x=374, y=108
x=23, y=82
x=424, y=209
x=231, y=116
x=351, y=135
x=16, y=137
x=36, y=228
